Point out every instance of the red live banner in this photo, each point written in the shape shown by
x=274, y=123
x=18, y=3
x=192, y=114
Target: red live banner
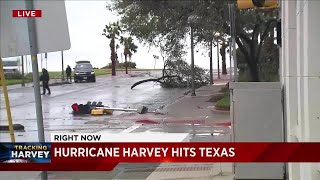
x=26, y=13
x=105, y=156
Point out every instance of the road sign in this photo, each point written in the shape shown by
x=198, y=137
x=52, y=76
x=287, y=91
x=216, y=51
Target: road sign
x=51, y=28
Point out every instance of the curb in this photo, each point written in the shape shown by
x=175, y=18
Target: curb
x=59, y=83
x=55, y=84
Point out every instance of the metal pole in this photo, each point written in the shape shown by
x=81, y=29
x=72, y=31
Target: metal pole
x=22, y=71
x=35, y=71
x=41, y=61
x=27, y=65
x=193, y=91
x=211, y=69
x=230, y=57
x=218, y=56
x=46, y=57
x=235, y=71
x=62, y=68
x=6, y=98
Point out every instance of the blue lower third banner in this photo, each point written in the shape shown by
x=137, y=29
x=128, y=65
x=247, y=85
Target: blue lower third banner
x=25, y=152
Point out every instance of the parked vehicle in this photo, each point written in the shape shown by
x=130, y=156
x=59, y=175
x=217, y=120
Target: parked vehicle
x=83, y=71
x=11, y=67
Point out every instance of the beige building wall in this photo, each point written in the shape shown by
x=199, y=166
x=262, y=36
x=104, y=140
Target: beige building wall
x=300, y=76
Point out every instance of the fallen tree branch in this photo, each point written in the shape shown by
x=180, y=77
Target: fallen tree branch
x=154, y=80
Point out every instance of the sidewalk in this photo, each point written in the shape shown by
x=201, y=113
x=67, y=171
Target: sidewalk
x=181, y=113
x=187, y=114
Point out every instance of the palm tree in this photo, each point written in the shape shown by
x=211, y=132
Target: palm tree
x=129, y=48
x=112, y=31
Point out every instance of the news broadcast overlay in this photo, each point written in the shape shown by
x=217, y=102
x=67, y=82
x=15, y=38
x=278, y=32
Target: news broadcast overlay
x=25, y=152
x=104, y=156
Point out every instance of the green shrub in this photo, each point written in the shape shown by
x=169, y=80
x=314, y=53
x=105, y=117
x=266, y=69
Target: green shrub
x=29, y=76
x=224, y=103
x=13, y=76
x=216, y=98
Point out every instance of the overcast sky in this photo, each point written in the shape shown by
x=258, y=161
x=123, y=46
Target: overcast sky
x=86, y=20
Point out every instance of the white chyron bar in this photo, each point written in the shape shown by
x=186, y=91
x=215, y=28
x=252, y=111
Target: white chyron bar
x=120, y=137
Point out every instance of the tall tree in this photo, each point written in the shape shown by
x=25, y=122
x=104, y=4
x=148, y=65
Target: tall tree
x=252, y=29
x=129, y=49
x=165, y=23
x=112, y=32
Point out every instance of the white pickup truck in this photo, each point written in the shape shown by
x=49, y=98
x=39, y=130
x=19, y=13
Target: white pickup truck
x=11, y=67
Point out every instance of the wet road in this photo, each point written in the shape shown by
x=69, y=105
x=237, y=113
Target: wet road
x=112, y=91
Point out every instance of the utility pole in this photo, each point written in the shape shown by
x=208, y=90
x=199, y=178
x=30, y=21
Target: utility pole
x=22, y=71
x=233, y=40
x=230, y=57
x=41, y=61
x=193, y=91
x=34, y=51
x=218, y=56
x=27, y=71
x=62, y=68
x=46, y=57
x=211, y=69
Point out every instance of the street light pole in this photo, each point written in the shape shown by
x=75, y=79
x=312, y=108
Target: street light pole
x=46, y=57
x=62, y=68
x=211, y=73
x=22, y=71
x=41, y=61
x=218, y=56
x=233, y=40
x=230, y=56
x=193, y=91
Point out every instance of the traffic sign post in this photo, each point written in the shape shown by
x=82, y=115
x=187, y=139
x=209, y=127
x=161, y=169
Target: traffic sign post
x=36, y=80
x=29, y=36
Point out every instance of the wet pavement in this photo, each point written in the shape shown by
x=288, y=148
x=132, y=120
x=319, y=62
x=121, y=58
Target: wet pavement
x=181, y=114
x=112, y=91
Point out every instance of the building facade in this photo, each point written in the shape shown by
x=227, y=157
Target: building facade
x=300, y=77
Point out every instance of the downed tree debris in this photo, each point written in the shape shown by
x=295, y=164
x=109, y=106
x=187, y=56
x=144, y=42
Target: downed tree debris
x=177, y=74
x=154, y=80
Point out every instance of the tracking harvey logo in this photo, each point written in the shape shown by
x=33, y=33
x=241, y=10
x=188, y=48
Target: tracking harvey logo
x=25, y=153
